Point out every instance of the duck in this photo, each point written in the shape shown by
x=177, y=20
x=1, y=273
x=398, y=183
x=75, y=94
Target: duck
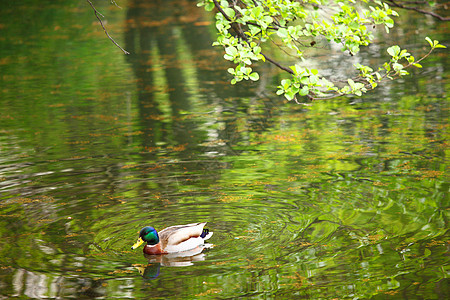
x=173, y=239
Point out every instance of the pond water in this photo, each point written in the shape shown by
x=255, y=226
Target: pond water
x=344, y=198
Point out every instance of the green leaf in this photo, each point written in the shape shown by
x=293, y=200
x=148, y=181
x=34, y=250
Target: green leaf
x=429, y=41
x=404, y=53
x=378, y=76
x=285, y=83
x=351, y=83
x=209, y=6
x=282, y=33
x=254, y=29
x=246, y=70
x=394, y=50
x=289, y=95
x=254, y=76
x=389, y=23
x=268, y=19
x=304, y=80
x=229, y=11
x=232, y=51
x=313, y=79
x=397, y=67
x=304, y=91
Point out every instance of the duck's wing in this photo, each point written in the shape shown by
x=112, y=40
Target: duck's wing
x=175, y=235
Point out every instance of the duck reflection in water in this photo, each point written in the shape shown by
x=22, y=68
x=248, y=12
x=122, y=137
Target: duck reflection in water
x=179, y=259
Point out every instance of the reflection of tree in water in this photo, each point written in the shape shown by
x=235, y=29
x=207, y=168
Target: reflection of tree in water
x=161, y=27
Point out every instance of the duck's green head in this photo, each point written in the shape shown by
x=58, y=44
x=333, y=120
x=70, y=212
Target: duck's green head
x=148, y=234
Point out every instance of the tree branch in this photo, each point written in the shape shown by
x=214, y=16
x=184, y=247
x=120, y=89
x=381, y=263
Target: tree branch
x=425, y=12
x=242, y=36
x=104, y=29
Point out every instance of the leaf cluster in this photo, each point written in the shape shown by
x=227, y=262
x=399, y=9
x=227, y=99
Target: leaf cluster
x=247, y=28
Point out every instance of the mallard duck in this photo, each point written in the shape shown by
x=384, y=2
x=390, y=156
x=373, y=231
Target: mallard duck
x=172, y=239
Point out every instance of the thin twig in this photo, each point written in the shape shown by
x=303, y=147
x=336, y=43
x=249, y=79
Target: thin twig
x=104, y=29
x=425, y=12
x=277, y=64
x=114, y=2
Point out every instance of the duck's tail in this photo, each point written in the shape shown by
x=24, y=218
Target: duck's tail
x=206, y=234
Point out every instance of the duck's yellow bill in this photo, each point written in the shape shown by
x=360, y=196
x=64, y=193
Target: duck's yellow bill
x=137, y=244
